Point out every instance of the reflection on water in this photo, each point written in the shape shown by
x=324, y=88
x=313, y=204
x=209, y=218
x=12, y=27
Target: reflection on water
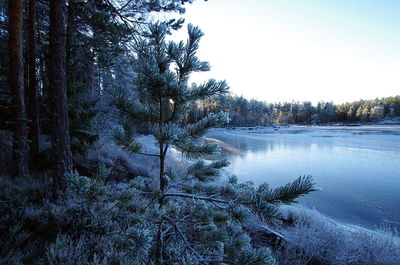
x=359, y=175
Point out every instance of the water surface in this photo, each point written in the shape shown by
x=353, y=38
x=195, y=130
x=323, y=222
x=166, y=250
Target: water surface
x=357, y=169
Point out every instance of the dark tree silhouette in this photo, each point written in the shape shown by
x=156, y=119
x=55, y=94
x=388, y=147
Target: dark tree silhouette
x=32, y=93
x=58, y=91
x=16, y=79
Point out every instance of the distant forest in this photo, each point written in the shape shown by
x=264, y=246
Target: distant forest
x=244, y=112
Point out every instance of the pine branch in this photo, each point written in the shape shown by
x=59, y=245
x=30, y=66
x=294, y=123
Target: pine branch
x=148, y=154
x=220, y=163
x=266, y=211
x=209, y=89
x=191, y=196
x=198, y=256
x=201, y=127
x=124, y=137
x=166, y=133
x=290, y=192
x=195, y=34
x=184, y=55
x=201, y=171
x=134, y=110
x=190, y=149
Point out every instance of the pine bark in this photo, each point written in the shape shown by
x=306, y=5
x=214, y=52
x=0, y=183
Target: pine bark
x=58, y=91
x=32, y=99
x=16, y=79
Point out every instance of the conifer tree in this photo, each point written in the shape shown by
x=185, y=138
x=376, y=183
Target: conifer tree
x=163, y=69
x=16, y=80
x=200, y=222
x=32, y=99
x=57, y=77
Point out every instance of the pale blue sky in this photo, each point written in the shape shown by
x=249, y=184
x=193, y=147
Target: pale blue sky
x=283, y=50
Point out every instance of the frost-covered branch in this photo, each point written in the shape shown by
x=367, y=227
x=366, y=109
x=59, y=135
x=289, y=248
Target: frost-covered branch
x=191, y=149
x=201, y=127
x=191, y=196
x=209, y=89
x=134, y=110
x=198, y=256
x=140, y=153
x=203, y=172
x=124, y=137
x=290, y=192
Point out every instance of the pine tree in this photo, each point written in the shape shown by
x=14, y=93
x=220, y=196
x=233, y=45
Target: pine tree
x=58, y=86
x=32, y=99
x=16, y=80
x=200, y=222
x=165, y=96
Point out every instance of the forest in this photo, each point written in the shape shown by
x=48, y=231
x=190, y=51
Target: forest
x=244, y=112
x=94, y=101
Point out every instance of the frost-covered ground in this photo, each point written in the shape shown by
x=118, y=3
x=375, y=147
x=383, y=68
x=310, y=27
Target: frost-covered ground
x=125, y=165
x=313, y=238
x=316, y=239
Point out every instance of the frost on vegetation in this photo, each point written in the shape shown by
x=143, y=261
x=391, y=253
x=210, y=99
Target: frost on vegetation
x=94, y=223
x=314, y=239
x=124, y=164
x=101, y=222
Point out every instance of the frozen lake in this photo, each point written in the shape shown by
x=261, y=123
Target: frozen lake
x=356, y=168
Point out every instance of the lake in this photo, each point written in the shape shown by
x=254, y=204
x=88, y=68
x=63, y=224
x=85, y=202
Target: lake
x=357, y=169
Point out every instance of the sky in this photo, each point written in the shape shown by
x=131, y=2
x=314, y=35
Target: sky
x=301, y=50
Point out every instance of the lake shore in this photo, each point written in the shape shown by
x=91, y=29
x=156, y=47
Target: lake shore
x=343, y=216
x=359, y=129
x=355, y=167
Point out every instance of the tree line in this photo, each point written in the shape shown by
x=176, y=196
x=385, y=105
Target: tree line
x=245, y=112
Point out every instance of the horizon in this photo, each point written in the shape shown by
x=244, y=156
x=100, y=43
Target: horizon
x=339, y=52
x=313, y=103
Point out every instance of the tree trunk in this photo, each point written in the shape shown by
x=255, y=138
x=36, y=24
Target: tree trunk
x=16, y=79
x=33, y=111
x=159, y=245
x=58, y=92
x=163, y=183
x=161, y=176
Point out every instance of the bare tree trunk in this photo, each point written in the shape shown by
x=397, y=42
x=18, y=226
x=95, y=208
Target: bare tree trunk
x=163, y=184
x=159, y=245
x=33, y=111
x=43, y=77
x=58, y=88
x=16, y=79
